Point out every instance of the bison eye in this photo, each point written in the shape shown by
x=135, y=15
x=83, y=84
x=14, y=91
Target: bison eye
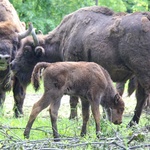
x=27, y=50
x=121, y=110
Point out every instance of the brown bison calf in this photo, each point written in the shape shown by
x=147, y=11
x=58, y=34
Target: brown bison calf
x=87, y=80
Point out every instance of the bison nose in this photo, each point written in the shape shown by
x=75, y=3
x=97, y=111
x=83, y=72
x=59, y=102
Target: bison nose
x=4, y=58
x=117, y=122
x=4, y=61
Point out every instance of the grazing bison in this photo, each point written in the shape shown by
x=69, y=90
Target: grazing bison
x=87, y=80
x=118, y=42
x=11, y=33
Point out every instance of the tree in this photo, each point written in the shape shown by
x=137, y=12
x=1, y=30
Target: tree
x=47, y=14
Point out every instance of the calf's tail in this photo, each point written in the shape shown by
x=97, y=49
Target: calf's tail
x=35, y=79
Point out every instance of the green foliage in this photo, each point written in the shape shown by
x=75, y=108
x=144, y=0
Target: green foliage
x=136, y=5
x=116, y=5
x=11, y=133
x=47, y=14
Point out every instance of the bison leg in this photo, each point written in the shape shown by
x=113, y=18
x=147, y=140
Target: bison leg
x=53, y=110
x=132, y=85
x=120, y=87
x=19, y=95
x=2, y=99
x=37, y=108
x=85, y=116
x=141, y=98
x=96, y=115
x=73, y=107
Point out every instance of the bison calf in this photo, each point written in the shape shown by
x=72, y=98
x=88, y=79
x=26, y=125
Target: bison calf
x=87, y=80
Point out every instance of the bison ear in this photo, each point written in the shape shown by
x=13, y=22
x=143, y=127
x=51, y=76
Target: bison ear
x=116, y=98
x=39, y=51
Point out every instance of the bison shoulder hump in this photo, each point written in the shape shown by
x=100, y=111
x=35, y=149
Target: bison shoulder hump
x=102, y=10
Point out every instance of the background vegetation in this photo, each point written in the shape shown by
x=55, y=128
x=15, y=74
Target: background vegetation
x=47, y=14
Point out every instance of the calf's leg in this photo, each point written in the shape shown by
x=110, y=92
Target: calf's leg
x=37, y=108
x=96, y=115
x=85, y=115
x=73, y=106
x=53, y=110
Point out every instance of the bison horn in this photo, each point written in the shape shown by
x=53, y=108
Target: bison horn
x=25, y=33
x=36, y=41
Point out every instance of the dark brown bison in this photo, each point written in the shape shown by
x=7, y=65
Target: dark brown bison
x=11, y=33
x=118, y=42
x=87, y=80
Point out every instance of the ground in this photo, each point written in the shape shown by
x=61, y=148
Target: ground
x=74, y=142
x=32, y=97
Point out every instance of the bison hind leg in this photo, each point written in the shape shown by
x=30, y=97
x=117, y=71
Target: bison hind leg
x=37, y=108
x=73, y=107
x=53, y=111
x=85, y=115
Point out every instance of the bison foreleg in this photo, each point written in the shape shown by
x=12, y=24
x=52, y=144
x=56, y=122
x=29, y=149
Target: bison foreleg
x=85, y=116
x=141, y=98
x=2, y=99
x=19, y=95
x=73, y=107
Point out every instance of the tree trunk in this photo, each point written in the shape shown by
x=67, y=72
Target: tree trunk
x=96, y=2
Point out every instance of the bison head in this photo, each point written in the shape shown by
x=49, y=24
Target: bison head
x=115, y=109
x=28, y=55
x=34, y=49
x=9, y=42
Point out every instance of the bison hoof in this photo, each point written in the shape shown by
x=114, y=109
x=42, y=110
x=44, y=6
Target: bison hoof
x=26, y=135
x=73, y=116
x=98, y=134
x=56, y=139
x=131, y=123
x=83, y=134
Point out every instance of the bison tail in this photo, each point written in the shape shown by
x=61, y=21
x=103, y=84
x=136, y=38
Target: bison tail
x=36, y=74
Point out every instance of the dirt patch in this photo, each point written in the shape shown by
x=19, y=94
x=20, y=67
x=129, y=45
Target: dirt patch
x=64, y=110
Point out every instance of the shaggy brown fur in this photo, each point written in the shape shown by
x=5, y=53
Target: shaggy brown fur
x=8, y=12
x=87, y=80
x=10, y=28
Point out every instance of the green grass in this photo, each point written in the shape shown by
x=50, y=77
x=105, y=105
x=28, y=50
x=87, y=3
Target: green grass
x=11, y=130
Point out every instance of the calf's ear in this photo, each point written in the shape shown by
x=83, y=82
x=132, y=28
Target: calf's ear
x=116, y=98
x=39, y=51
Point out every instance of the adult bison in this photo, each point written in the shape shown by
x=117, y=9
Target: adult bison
x=118, y=42
x=11, y=33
